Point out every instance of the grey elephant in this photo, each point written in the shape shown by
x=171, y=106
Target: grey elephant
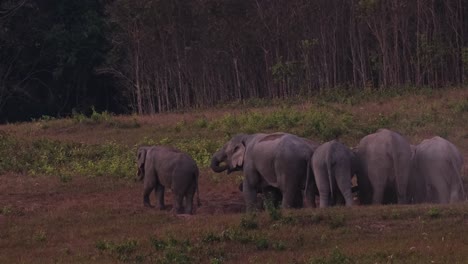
x=384, y=168
x=279, y=160
x=334, y=164
x=437, y=170
x=269, y=193
x=165, y=167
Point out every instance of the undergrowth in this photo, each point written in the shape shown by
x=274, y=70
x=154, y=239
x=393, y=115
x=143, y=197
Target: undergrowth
x=330, y=116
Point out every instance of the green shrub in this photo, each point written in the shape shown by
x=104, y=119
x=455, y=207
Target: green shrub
x=326, y=125
x=434, y=213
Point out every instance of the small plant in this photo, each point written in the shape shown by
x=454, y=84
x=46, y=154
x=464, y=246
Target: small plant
x=288, y=220
x=6, y=210
x=434, y=213
x=177, y=251
x=65, y=178
x=216, y=260
x=336, y=257
x=123, y=250
x=103, y=245
x=201, y=123
x=279, y=246
x=158, y=244
x=210, y=237
x=262, y=244
x=273, y=211
x=336, y=220
x=249, y=221
x=461, y=107
x=40, y=236
x=234, y=234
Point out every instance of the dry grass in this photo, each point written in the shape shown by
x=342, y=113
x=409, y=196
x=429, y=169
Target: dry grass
x=44, y=219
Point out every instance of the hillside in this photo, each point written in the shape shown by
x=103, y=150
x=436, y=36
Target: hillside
x=67, y=193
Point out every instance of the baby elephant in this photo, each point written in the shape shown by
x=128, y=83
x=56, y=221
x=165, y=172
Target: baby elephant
x=334, y=164
x=162, y=167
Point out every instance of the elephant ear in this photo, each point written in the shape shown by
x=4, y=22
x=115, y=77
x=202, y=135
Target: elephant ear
x=237, y=159
x=141, y=157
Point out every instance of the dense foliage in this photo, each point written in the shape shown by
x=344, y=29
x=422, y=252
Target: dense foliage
x=147, y=56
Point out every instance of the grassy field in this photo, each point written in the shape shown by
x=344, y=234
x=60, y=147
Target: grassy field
x=68, y=195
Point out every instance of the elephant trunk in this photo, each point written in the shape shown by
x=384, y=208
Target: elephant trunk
x=218, y=157
x=140, y=174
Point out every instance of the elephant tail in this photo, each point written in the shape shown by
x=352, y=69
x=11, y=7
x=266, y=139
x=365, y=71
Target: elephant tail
x=331, y=176
x=308, y=174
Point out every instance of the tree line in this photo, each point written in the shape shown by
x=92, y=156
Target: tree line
x=149, y=56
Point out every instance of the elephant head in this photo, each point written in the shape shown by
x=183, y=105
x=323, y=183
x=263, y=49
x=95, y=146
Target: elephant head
x=141, y=158
x=231, y=154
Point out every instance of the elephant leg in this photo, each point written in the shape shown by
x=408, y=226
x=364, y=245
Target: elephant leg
x=344, y=185
x=310, y=193
x=292, y=199
x=324, y=195
x=146, y=196
x=250, y=196
x=178, y=204
x=378, y=194
x=189, y=201
x=323, y=187
x=402, y=170
x=160, y=196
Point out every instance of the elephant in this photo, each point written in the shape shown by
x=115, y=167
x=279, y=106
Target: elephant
x=268, y=192
x=437, y=169
x=279, y=160
x=334, y=164
x=163, y=166
x=384, y=168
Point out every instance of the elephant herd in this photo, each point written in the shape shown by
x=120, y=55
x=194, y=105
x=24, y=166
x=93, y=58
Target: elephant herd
x=287, y=168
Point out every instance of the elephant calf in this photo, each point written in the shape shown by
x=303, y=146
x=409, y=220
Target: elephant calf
x=161, y=167
x=334, y=164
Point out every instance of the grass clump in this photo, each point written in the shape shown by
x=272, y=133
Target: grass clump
x=177, y=251
x=336, y=257
x=211, y=237
x=236, y=235
x=123, y=250
x=40, y=236
x=262, y=244
x=249, y=221
x=336, y=221
x=434, y=213
x=273, y=211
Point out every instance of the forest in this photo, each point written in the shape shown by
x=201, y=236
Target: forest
x=58, y=58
